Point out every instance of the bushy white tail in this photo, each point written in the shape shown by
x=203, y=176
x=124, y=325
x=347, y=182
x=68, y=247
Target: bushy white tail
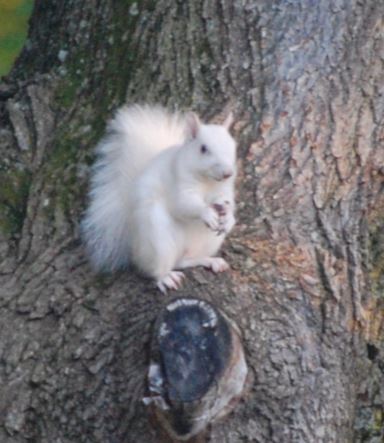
x=134, y=137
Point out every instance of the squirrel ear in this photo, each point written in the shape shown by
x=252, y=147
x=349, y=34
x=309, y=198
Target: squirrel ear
x=193, y=124
x=228, y=122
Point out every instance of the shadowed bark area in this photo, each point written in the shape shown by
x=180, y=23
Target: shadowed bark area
x=306, y=81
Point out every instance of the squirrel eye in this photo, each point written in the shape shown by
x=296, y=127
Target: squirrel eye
x=203, y=149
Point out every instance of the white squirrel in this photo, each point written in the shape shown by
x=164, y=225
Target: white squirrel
x=161, y=195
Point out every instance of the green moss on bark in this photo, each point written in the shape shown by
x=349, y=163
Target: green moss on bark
x=90, y=105
x=377, y=256
x=15, y=185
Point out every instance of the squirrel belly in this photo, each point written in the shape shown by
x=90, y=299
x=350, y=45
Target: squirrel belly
x=165, y=239
x=162, y=194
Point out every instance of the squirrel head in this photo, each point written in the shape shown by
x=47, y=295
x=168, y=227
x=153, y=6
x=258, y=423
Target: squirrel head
x=211, y=149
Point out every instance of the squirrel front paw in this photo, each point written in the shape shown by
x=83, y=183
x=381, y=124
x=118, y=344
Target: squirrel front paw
x=211, y=218
x=226, y=217
x=228, y=222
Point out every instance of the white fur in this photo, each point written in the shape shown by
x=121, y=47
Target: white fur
x=153, y=193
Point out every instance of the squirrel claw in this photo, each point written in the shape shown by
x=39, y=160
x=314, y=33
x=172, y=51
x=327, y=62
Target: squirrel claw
x=173, y=280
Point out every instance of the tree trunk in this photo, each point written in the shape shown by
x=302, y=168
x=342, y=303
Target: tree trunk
x=306, y=287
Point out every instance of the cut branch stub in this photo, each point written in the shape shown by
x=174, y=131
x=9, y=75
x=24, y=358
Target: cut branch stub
x=197, y=369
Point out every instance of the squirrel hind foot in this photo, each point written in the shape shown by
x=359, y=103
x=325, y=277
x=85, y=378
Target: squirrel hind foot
x=173, y=280
x=215, y=264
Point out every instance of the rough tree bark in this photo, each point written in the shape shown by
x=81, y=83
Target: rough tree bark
x=306, y=80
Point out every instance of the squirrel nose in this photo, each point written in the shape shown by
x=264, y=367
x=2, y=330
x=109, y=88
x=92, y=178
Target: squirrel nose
x=227, y=174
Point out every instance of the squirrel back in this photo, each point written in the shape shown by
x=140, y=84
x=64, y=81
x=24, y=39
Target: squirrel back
x=134, y=137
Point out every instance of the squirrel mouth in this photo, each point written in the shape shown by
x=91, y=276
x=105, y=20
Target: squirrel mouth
x=223, y=177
